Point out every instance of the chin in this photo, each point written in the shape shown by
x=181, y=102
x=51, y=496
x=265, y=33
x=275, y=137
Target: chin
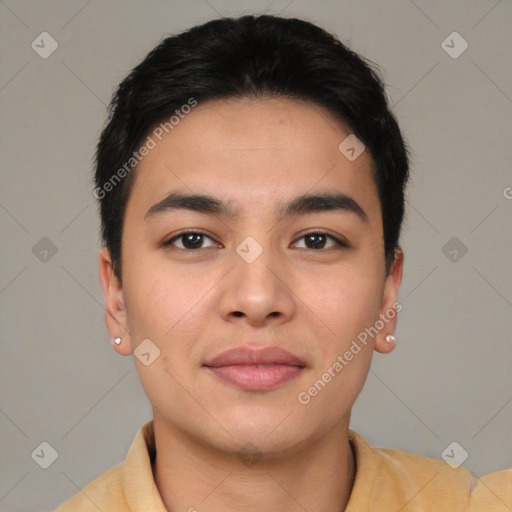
x=264, y=429
x=258, y=444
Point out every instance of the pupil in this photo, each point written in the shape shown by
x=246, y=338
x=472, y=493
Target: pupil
x=191, y=237
x=314, y=238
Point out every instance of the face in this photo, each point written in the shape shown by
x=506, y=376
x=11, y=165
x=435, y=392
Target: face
x=199, y=281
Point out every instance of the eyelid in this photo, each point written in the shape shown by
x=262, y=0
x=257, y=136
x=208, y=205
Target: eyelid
x=175, y=236
x=338, y=240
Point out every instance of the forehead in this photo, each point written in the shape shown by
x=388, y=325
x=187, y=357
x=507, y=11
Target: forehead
x=252, y=153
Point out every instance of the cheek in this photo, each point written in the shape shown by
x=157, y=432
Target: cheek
x=155, y=301
x=168, y=307
x=347, y=301
x=348, y=304
x=166, y=311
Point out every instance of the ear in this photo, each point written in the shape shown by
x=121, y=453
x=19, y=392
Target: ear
x=389, y=304
x=115, y=311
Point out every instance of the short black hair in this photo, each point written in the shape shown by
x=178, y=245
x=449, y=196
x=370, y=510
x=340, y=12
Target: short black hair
x=249, y=56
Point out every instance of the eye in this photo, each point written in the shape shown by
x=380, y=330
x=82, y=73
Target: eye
x=191, y=240
x=317, y=239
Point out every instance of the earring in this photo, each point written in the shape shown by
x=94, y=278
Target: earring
x=390, y=338
x=117, y=340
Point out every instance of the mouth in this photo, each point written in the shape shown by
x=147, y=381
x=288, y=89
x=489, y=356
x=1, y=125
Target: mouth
x=256, y=370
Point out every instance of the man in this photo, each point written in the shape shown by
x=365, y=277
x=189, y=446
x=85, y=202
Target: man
x=251, y=183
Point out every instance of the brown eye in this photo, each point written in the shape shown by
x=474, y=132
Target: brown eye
x=317, y=240
x=190, y=240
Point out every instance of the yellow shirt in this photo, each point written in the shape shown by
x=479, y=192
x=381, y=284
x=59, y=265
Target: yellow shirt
x=386, y=480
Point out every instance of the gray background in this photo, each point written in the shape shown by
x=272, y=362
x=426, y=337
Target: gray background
x=449, y=378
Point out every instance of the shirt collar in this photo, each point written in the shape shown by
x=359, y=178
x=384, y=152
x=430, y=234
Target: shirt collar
x=138, y=483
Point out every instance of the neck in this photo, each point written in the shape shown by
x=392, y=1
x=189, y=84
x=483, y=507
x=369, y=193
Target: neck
x=192, y=476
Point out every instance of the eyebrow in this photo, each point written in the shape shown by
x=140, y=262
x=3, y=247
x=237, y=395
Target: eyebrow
x=209, y=205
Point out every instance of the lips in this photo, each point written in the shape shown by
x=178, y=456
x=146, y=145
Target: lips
x=256, y=370
x=247, y=356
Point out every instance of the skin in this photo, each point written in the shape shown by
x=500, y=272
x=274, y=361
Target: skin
x=193, y=304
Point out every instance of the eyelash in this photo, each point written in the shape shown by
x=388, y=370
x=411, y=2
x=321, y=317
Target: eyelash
x=337, y=241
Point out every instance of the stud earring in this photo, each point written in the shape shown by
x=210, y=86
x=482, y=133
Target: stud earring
x=117, y=340
x=390, y=338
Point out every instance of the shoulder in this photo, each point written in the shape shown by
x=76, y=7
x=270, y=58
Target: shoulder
x=427, y=483
x=104, y=493
x=423, y=483
x=436, y=482
x=493, y=492
x=126, y=486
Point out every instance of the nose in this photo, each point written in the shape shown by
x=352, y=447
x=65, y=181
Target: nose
x=257, y=292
